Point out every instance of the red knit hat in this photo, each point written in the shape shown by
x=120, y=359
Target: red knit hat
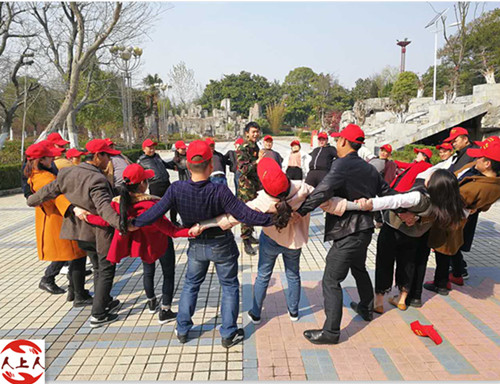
x=100, y=145
x=149, y=143
x=135, y=173
x=73, y=152
x=198, y=148
x=39, y=150
x=387, y=147
x=489, y=150
x=56, y=138
x=352, y=133
x=273, y=180
x=426, y=151
x=426, y=330
x=455, y=132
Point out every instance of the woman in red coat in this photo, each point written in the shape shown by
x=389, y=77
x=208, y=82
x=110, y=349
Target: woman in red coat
x=150, y=243
x=405, y=180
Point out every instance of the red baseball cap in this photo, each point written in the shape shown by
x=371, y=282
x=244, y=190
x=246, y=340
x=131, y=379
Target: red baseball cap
x=198, y=148
x=56, y=138
x=273, y=180
x=58, y=151
x=210, y=141
x=490, y=139
x=426, y=151
x=149, y=143
x=180, y=144
x=295, y=142
x=387, y=147
x=489, y=150
x=109, y=141
x=239, y=141
x=352, y=132
x=100, y=145
x=323, y=135
x=73, y=152
x=446, y=146
x=39, y=150
x=426, y=330
x=455, y=132
x=268, y=137
x=135, y=173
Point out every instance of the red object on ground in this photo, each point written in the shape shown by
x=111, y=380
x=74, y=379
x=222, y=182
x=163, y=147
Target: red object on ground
x=426, y=331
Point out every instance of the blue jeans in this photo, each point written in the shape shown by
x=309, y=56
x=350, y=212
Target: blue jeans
x=224, y=254
x=218, y=179
x=268, y=253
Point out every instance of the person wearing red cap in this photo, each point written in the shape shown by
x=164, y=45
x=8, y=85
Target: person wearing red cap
x=48, y=223
x=86, y=187
x=180, y=160
x=56, y=140
x=459, y=138
x=160, y=183
x=219, y=162
x=75, y=156
x=480, y=189
x=352, y=178
x=296, y=163
x=384, y=165
x=247, y=156
x=280, y=196
x=446, y=156
x=268, y=150
x=233, y=163
x=321, y=160
x=150, y=243
x=117, y=164
x=196, y=200
x=405, y=180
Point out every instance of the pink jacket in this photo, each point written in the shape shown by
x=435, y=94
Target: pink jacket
x=295, y=234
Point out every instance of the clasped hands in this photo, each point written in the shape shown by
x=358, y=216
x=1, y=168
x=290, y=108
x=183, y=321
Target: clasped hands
x=408, y=218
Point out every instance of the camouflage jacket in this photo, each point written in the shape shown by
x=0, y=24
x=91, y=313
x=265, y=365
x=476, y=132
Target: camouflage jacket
x=246, y=157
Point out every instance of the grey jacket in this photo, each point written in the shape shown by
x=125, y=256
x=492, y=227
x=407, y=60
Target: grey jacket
x=85, y=186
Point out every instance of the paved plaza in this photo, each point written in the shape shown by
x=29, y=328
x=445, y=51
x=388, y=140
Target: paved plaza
x=137, y=348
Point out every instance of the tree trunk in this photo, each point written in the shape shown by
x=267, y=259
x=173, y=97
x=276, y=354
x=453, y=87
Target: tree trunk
x=72, y=129
x=489, y=76
x=6, y=131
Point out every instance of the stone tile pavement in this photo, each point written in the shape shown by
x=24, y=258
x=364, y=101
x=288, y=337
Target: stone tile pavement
x=138, y=348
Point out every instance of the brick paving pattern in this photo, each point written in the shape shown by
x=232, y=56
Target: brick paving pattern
x=137, y=348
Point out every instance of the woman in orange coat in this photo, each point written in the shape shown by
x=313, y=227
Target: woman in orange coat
x=48, y=222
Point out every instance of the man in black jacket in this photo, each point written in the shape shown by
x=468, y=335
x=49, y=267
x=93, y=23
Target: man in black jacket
x=233, y=163
x=321, y=160
x=352, y=178
x=459, y=138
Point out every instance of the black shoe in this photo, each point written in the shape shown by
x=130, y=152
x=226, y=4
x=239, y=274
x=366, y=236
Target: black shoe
x=317, y=336
x=99, y=322
x=465, y=275
x=253, y=240
x=183, y=339
x=113, y=306
x=51, y=288
x=367, y=316
x=88, y=272
x=166, y=315
x=236, y=338
x=83, y=302
x=254, y=319
x=152, y=305
x=416, y=303
x=248, y=247
x=433, y=288
x=71, y=295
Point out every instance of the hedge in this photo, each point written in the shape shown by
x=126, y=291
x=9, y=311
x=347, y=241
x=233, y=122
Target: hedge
x=10, y=176
x=408, y=155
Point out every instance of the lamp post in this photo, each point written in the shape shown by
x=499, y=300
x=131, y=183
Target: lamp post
x=403, y=45
x=435, y=20
x=126, y=59
x=156, y=89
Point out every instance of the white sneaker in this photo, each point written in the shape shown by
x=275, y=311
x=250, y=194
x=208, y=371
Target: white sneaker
x=294, y=317
x=64, y=270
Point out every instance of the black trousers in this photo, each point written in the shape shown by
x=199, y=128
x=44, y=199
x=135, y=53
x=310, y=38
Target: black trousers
x=315, y=176
x=104, y=273
x=52, y=271
x=159, y=189
x=457, y=262
x=167, y=263
x=409, y=253
x=347, y=253
x=294, y=173
x=442, y=269
x=76, y=277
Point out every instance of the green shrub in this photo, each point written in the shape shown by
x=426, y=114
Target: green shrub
x=10, y=176
x=408, y=155
x=11, y=153
x=133, y=154
x=305, y=137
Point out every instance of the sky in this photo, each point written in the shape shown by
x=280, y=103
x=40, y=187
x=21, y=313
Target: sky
x=350, y=40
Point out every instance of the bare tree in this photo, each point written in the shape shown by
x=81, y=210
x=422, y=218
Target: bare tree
x=185, y=88
x=75, y=35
